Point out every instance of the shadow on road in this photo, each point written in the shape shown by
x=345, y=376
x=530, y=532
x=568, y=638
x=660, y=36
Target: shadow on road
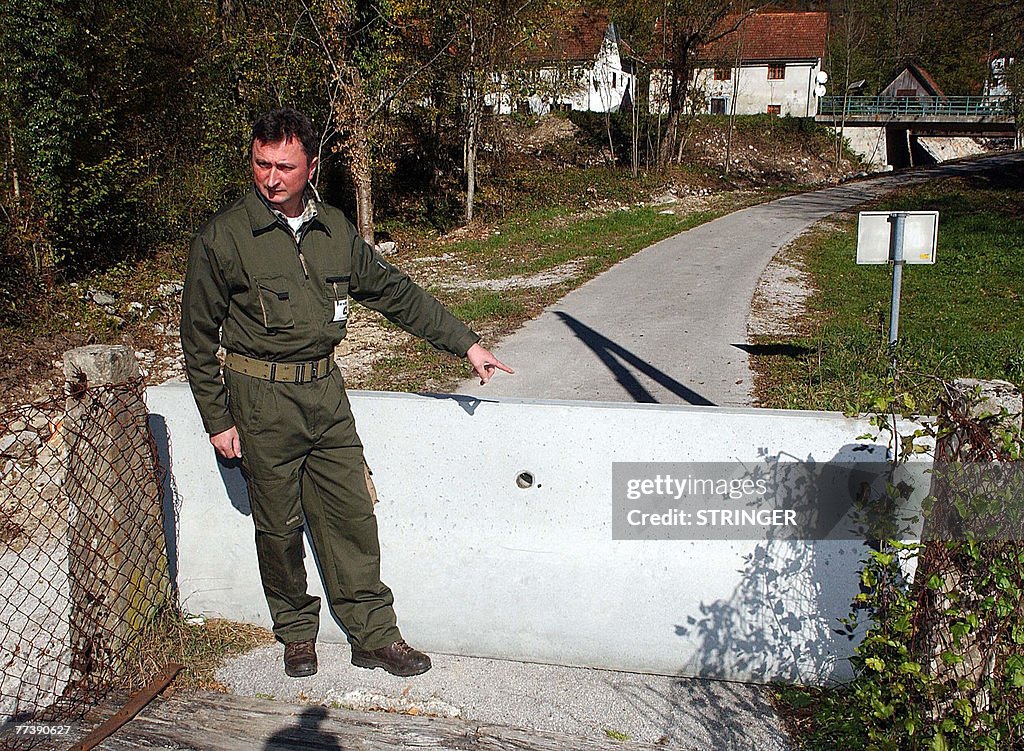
x=616, y=358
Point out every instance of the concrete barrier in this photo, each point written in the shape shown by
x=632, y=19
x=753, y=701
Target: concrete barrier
x=481, y=566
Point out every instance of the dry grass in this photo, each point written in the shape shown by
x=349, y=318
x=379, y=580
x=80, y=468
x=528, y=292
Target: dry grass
x=201, y=647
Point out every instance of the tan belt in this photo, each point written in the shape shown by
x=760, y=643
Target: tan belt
x=280, y=372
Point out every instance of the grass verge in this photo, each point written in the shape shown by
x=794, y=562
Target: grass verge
x=961, y=318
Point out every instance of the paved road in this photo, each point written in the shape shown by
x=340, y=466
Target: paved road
x=668, y=325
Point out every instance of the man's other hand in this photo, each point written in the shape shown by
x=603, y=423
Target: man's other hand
x=484, y=363
x=227, y=444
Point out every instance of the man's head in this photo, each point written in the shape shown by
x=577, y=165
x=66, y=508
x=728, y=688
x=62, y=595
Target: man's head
x=283, y=153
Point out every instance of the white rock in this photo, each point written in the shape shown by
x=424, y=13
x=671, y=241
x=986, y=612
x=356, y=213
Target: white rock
x=6, y=442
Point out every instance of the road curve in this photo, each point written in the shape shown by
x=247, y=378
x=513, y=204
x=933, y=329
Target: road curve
x=667, y=324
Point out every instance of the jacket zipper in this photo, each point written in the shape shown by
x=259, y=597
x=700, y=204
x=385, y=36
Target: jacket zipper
x=298, y=244
x=263, y=306
x=302, y=258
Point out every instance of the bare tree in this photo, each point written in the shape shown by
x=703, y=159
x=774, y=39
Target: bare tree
x=494, y=37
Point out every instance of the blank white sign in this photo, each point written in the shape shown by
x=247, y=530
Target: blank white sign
x=920, y=234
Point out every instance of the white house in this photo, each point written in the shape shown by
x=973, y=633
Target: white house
x=576, y=64
x=996, y=83
x=762, y=63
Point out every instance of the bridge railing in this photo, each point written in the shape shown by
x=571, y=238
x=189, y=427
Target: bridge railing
x=956, y=106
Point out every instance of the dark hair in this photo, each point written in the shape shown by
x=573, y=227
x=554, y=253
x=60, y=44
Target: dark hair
x=283, y=125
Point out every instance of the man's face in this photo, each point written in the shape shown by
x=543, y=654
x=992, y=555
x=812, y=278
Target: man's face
x=281, y=171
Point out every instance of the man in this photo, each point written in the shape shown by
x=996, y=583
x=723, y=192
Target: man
x=269, y=279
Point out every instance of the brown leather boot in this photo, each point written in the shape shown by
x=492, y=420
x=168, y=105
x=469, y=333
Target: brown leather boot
x=398, y=659
x=300, y=658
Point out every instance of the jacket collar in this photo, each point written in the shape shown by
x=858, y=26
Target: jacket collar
x=262, y=217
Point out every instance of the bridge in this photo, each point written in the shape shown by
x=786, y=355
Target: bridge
x=890, y=129
x=957, y=109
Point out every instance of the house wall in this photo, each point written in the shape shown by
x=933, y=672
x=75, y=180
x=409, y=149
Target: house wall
x=996, y=84
x=754, y=92
x=601, y=86
x=905, y=81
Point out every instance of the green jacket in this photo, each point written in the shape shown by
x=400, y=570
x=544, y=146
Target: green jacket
x=252, y=288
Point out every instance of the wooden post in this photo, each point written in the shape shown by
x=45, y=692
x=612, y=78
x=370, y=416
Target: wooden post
x=117, y=558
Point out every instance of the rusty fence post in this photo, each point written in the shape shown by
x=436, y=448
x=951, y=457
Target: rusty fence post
x=117, y=558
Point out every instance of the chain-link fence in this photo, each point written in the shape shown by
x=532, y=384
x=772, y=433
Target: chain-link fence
x=83, y=563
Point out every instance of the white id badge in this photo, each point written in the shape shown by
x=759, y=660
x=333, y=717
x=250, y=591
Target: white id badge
x=340, y=311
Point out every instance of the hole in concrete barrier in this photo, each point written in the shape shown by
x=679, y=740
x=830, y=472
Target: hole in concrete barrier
x=524, y=479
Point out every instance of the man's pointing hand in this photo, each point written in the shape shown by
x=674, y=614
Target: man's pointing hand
x=484, y=363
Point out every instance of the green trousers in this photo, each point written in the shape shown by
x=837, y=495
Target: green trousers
x=303, y=464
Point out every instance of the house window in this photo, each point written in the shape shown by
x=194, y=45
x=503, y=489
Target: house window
x=776, y=71
x=723, y=74
x=719, y=105
x=906, y=92
x=774, y=109
x=615, y=81
x=523, y=107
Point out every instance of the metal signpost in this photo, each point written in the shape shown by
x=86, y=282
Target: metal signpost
x=900, y=237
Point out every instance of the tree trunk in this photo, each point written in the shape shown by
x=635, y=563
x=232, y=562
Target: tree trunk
x=635, y=129
x=470, y=161
x=362, y=177
x=475, y=103
x=15, y=182
x=351, y=118
x=608, y=131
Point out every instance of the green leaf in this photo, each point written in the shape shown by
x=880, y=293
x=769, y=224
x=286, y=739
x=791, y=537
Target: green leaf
x=875, y=663
x=964, y=708
x=939, y=742
x=883, y=559
x=909, y=667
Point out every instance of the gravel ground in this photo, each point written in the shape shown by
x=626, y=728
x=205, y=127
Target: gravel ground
x=682, y=713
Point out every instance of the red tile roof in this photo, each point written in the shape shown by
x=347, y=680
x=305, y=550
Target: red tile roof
x=770, y=36
x=575, y=37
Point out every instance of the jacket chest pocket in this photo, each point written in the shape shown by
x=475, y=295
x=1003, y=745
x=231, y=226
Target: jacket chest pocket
x=275, y=302
x=336, y=294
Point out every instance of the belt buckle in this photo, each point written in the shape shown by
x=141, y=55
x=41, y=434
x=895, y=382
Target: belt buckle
x=313, y=370
x=273, y=372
